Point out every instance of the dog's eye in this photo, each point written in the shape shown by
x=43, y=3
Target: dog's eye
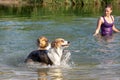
x=62, y=40
x=46, y=41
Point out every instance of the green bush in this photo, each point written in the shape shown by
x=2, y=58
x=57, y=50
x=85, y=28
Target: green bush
x=34, y=1
x=108, y=1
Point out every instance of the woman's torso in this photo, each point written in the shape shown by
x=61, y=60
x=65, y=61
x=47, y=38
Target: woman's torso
x=106, y=27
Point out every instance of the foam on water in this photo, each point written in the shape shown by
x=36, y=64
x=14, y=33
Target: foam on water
x=65, y=62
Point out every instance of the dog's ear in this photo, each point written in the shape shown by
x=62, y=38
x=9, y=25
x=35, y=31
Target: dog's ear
x=53, y=44
x=38, y=42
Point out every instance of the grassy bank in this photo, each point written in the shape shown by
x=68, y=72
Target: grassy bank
x=58, y=2
x=18, y=8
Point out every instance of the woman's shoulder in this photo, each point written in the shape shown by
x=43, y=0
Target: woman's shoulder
x=101, y=18
x=112, y=17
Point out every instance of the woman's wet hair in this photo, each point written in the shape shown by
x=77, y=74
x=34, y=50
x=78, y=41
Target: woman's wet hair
x=108, y=6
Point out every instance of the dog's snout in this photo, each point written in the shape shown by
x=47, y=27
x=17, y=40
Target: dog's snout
x=68, y=42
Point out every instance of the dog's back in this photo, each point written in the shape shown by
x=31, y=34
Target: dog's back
x=39, y=56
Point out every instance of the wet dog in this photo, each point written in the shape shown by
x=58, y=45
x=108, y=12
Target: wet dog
x=57, y=49
x=53, y=56
x=40, y=55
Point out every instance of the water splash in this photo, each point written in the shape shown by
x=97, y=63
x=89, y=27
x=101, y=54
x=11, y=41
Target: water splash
x=65, y=62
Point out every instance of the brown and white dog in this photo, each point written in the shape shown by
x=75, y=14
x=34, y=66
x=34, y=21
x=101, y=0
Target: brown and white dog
x=57, y=49
x=53, y=56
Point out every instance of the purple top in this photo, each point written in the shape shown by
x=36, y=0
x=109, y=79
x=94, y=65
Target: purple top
x=106, y=28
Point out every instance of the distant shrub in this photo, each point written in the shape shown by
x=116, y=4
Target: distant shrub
x=34, y=1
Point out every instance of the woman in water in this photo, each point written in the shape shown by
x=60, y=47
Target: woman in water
x=105, y=24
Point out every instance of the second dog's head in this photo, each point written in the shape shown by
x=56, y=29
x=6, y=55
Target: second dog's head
x=60, y=43
x=42, y=42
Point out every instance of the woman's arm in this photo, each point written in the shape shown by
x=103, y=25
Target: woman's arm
x=99, y=22
x=115, y=29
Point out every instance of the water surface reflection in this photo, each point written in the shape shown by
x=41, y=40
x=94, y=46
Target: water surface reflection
x=88, y=54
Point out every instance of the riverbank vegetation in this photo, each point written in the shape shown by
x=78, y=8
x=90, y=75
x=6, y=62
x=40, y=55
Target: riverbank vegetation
x=55, y=8
x=58, y=2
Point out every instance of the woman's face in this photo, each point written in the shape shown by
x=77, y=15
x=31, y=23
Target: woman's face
x=108, y=11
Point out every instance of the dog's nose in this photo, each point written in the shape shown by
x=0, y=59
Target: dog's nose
x=68, y=42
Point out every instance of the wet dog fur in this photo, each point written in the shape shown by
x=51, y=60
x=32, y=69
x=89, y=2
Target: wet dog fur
x=51, y=55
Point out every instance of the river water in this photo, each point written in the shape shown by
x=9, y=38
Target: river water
x=91, y=58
